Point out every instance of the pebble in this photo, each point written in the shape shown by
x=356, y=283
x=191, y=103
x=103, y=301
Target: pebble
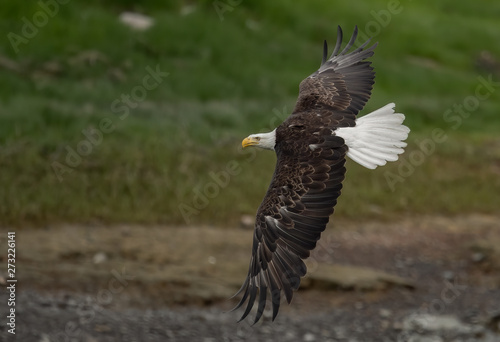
x=247, y=221
x=384, y=313
x=308, y=337
x=478, y=257
x=448, y=275
x=99, y=258
x=358, y=305
x=340, y=332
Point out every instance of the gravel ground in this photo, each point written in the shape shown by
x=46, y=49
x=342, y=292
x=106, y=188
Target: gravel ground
x=44, y=318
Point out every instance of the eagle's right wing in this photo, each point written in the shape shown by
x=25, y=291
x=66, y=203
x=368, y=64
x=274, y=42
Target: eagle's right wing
x=342, y=83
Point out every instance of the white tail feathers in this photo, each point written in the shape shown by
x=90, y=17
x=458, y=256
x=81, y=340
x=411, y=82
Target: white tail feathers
x=377, y=138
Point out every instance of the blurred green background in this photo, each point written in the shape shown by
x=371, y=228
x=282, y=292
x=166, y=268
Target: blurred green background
x=171, y=154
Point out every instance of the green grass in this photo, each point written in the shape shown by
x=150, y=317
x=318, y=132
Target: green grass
x=226, y=79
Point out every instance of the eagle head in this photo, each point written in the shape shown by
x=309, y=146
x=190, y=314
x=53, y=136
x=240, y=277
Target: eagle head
x=263, y=140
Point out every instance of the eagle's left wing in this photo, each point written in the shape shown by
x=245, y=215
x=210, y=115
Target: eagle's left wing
x=292, y=216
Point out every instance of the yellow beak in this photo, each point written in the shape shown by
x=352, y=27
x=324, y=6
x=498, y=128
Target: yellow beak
x=249, y=142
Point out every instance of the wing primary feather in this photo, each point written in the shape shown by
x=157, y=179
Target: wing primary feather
x=276, y=286
x=325, y=52
x=296, y=266
x=245, y=296
x=262, y=303
x=239, y=291
x=365, y=44
x=251, y=301
x=276, y=298
x=281, y=268
x=274, y=275
x=338, y=43
x=351, y=41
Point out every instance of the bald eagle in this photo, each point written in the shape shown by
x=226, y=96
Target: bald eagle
x=311, y=146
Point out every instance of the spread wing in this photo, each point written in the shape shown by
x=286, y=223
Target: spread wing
x=308, y=177
x=343, y=82
x=292, y=216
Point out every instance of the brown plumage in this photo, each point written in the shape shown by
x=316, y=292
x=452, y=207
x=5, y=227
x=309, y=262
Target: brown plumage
x=308, y=177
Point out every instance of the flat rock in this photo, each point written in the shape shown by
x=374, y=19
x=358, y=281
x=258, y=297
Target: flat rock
x=424, y=327
x=344, y=277
x=435, y=323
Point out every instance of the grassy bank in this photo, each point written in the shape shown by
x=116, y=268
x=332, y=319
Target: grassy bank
x=101, y=123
